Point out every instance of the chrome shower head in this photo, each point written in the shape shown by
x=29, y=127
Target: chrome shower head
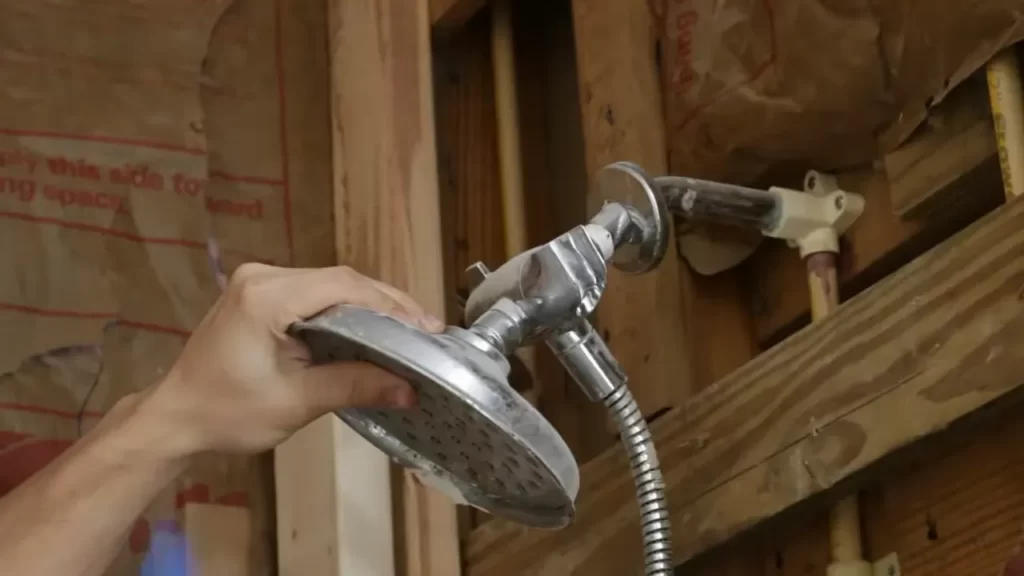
x=471, y=432
x=472, y=435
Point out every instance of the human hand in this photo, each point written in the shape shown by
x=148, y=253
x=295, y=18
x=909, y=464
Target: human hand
x=242, y=385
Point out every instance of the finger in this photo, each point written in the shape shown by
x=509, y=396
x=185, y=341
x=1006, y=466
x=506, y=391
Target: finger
x=317, y=290
x=399, y=296
x=248, y=271
x=426, y=321
x=355, y=385
x=310, y=293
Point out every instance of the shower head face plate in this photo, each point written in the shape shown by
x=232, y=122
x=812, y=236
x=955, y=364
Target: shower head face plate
x=470, y=430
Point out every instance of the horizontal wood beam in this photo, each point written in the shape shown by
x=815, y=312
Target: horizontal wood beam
x=903, y=360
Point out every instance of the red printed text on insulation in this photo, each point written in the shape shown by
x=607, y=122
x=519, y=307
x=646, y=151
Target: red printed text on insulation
x=682, y=22
x=73, y=182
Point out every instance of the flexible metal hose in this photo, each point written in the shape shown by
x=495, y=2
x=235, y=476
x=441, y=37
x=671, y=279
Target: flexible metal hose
x=650, y=487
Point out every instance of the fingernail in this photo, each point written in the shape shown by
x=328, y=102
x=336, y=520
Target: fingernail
x=433, y=324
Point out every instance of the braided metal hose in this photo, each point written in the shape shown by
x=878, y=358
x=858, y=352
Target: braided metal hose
x=650, y=487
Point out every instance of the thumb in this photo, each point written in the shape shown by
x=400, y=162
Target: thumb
x=356, y=385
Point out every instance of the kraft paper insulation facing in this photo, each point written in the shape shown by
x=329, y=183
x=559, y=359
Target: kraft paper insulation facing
x=146, y=149
x=756, y=90
x=754, y=84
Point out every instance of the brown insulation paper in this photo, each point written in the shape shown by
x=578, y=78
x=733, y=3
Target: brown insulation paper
x=146, y=149
x=752, y=85
x=760, y=87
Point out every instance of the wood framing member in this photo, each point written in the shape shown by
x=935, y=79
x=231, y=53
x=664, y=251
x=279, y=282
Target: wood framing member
x=448, y=14
x=919, y=351
x=306, y=474
x=942, y=179
x=386, y=207
x=957, y=138
x=386, y=190
x=219, y=538
x=640, y=317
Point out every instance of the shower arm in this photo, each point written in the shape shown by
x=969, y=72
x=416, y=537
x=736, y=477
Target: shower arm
x=548, y=292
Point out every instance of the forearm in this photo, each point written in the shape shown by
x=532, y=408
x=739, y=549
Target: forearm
x=71, y=518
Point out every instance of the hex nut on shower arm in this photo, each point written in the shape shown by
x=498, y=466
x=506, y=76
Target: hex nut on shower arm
x=813, y=219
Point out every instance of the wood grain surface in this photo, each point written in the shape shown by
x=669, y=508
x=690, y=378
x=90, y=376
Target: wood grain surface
x=905, y=359
x=387, y=211
x=448, y=15
x=877, y=244
x=957, y=138
x=641, y=317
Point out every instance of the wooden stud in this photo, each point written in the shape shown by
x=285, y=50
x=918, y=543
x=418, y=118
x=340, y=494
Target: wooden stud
x=219, y=540
x=308, y=475
x=388, y=227
x=510, y=157
x=937, y=340
x=719, y=324
x=319, y=498
x=468, y=166
x=640, y=317
x=555, y=185
x=468, y=156
x=387, y=202
x=447, y=15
